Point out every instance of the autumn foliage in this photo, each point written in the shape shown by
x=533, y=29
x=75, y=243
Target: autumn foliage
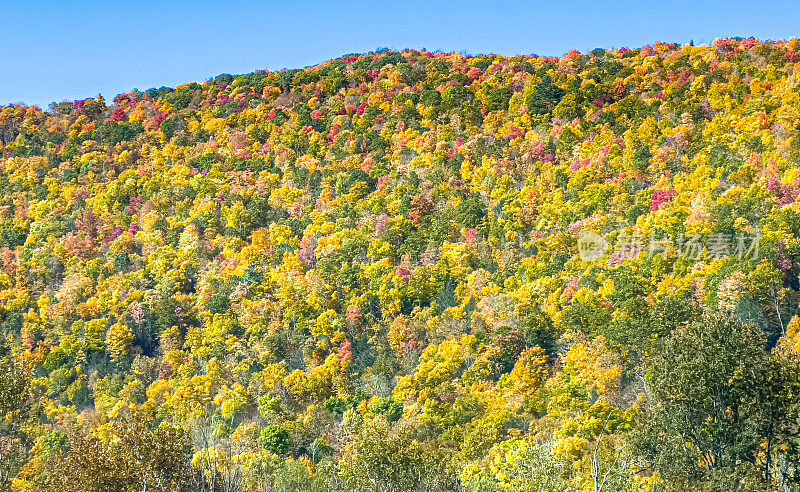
x=365, y=275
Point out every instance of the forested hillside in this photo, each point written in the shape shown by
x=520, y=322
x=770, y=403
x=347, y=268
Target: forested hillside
x=411, y=270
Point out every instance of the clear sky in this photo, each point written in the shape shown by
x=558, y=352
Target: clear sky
x=54, y=51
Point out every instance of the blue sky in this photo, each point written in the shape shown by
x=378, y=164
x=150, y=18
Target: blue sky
x=68, y=50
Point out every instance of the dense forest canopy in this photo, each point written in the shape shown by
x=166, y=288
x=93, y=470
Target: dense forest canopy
x=410, y=270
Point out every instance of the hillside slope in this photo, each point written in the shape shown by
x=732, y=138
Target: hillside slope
x=410, y=271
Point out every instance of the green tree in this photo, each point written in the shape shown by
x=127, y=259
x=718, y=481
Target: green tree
x=274, y=438
x=381, y=459
x=711, y=384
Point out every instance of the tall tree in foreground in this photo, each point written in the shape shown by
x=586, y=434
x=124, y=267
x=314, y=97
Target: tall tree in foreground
x=718, y=408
